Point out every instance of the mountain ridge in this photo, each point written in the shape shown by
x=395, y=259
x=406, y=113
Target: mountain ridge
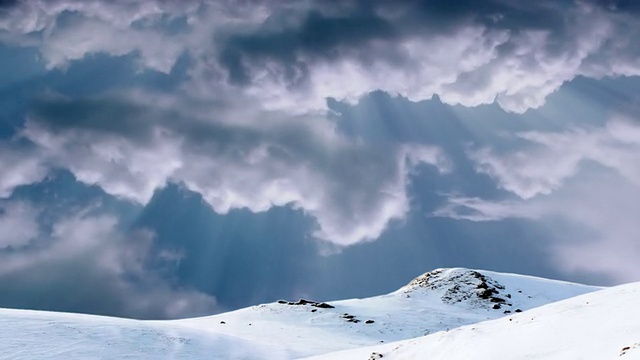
x=439, y=300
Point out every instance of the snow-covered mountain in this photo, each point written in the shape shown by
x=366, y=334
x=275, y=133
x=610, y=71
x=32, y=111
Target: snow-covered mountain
x=601, y=325
x=441, y=300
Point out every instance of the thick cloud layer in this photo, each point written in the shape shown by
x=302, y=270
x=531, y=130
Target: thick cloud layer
x=293, y=55
x=258, y=75
x=284, y=59
x=249, y=160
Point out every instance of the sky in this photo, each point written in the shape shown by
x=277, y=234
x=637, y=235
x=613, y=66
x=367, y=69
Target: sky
x=164, y=159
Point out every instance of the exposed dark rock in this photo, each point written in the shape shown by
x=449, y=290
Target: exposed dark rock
x=317, y=304
x=486, y=293
x=323, y=305
x=496, y=306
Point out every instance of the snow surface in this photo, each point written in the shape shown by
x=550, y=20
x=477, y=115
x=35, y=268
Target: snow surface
x=601, y=325
x=443, y=299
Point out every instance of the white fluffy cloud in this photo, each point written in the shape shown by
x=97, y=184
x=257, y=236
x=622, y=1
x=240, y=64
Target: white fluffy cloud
x=353, y=190
x=551, y=158
x=587, y=178
x=19, y=167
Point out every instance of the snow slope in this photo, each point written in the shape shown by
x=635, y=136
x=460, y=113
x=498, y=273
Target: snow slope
x=601, y=325
x=47, y=335
x=439, y=300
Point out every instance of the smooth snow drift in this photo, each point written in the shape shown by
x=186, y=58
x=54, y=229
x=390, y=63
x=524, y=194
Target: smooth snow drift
x=443, y=299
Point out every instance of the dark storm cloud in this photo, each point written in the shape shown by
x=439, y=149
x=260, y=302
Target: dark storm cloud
x=293, y=55
x=109, y=115
x=619, y=6
x=467, y=52
x=8, y=3
x=324, y=33
x=316, y=35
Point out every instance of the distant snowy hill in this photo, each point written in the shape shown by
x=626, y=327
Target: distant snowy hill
x=601, y=325
x=441, y=300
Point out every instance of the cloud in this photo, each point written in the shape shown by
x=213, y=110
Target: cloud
x=20, y=166
x=70, y=30
x=249, y=127
x=18, y=223
x=476, y=209
x=588, y=222
x=246, y=158
x=583, y=184
x=293, y=55
x=552, y=158
x=601, y=207
x=85, y=263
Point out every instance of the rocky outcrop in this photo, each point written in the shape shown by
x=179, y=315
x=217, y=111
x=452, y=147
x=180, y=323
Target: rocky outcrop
x=463, y=285
x=317, y=304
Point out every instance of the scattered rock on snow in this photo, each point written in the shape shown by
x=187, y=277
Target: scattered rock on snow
x=317, y=304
